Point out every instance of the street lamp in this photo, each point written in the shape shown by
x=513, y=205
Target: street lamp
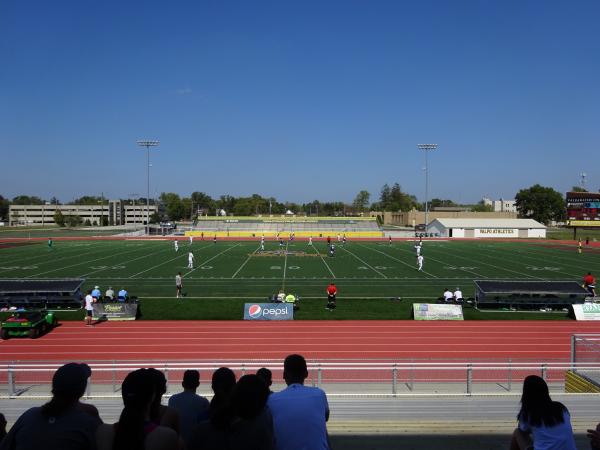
x=427, y=148
x=148, y=144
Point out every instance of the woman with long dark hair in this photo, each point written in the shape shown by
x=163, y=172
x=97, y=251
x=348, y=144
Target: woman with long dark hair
x=135, y=430
x=543, y=424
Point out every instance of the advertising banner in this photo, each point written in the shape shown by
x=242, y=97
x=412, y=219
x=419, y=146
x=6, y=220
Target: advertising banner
x=587, y=311
x=434, y=311
x=114, y=311
x=268, y=311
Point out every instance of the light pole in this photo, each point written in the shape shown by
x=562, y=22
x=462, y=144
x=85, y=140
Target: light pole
x=427, y=148
x=148, y=144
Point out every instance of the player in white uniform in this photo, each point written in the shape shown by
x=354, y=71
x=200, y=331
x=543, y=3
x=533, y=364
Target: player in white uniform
x=190, y=260
x=420, y=263
x=339, y=237
x=262, y=244
x=418, y=248
x=176, y=245
x=191, y=240
x=310, y=240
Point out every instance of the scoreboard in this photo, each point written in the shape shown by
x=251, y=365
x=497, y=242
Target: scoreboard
x=583, y=209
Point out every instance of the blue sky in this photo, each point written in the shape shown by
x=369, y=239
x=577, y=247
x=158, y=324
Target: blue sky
x=300, y=100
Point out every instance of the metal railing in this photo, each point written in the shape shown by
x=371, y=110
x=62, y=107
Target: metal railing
x=365, y=377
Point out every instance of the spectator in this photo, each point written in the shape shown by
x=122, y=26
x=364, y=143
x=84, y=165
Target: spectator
x=135, y=431
x=247, y=424
x=2, y=427
x=594, y=436
x=267, y=376
x=223, y=382
x=159, y=413
x=281, y=296
x=543, y=423
x=191, y=407
x=123, y=295
x=96, y=293
x=458, y=295
x=110, y=294
x=448, y=295
x=299, y=412
x=60, y=424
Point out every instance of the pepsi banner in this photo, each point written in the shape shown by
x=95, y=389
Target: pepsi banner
x=268, y=311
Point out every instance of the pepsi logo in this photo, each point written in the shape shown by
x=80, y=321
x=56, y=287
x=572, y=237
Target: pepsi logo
x=254, y=311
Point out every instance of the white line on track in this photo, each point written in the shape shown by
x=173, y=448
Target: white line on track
x=210, y=259
x=245, y=262
x=162, y=263
x=365, y=263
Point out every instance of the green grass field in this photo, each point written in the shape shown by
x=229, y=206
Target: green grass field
x=227, y=274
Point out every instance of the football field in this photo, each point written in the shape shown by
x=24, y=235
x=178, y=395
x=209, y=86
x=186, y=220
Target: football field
x=238, y=269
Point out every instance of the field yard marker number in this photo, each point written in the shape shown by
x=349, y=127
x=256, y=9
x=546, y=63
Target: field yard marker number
x=18, y=267
x=549, y=269
x=107, y=267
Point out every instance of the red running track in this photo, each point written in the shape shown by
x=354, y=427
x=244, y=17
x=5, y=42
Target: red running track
x=203, y=340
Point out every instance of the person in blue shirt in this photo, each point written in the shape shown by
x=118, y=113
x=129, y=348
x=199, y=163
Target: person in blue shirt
x=123, y=295
x=543, y=424
x=96, y=293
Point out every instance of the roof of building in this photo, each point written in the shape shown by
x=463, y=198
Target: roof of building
x=489, y=223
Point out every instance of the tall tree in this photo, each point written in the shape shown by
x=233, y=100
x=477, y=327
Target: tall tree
x=540, y=203
x=4, y=204
x=27, y=200
x=578, y=189
x=59, y=218
x=361, y=201
x=173, y=205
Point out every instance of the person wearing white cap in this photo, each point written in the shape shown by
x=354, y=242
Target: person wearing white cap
x=96, y=293
x=63, y=422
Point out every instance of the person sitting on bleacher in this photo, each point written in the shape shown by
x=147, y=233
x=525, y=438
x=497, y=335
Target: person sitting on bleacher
x=448, y=296
x=290, y=298
x=109, y=294
x=96, y=293
x=458, y=296
x=280, y=297
x=123, y=295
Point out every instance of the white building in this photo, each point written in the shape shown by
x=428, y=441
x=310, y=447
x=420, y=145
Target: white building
x=487, y=228
x=501, y=205
x=114, y=212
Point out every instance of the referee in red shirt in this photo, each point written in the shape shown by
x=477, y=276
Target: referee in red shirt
x=331, y=294
x=589, y=282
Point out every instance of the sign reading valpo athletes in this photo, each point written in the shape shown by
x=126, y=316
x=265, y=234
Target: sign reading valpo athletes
x=496, y=232
x=115, y=311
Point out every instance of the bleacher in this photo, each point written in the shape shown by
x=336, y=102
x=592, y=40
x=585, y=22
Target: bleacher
x=316, y=227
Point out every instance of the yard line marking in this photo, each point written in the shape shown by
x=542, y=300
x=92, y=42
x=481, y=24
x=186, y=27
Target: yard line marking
x=365, y=263
x=285, y=265
x=210, y=259
x=164, y=262
x=68, y=249
x=496, y=267
x=537, y=260
x=396, y=259
x=323, y=259
x=443, y=262
x=126, y=262
x=80, y=263
x=52, y=261
x=245, y=262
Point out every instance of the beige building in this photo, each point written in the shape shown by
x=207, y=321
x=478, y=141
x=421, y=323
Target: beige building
x=115, y=212
x=414, y=217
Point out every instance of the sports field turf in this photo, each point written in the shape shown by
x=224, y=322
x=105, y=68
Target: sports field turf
x=226, y=274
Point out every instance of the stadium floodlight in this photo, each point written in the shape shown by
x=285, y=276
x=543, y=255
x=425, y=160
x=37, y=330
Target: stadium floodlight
x=427, y=148
x=148, y=144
